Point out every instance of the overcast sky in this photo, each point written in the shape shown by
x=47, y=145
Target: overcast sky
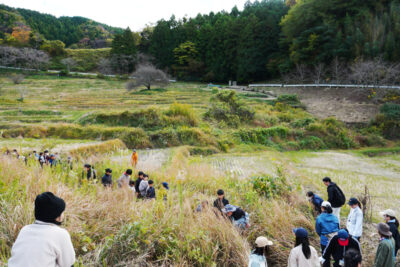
x=122, y=13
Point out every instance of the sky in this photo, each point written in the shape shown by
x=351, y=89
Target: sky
x=123, y=13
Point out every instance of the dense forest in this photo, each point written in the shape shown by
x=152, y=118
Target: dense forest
x=265, y=40
x=30, y=26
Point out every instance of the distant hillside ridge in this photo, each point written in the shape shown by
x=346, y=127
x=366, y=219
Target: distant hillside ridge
x=75, y=32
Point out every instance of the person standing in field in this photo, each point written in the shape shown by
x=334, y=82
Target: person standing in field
x=88, y=172
x=335, y=196
x=151, y=191
x=137, y=183
x=355, y=219
x=44, y=243
x=221, y=201
x=144, y=185
x=123, y=181
x=134, y=158
x=303, y=255
x=258, y=255
x=326, y=225
x=385, y=254
x=106, y=180
x=391, y=220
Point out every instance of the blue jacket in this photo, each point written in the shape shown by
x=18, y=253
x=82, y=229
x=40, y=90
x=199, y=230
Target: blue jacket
x=326, y=223
x=317, y=200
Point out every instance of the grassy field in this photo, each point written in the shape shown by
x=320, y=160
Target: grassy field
x=196, y=155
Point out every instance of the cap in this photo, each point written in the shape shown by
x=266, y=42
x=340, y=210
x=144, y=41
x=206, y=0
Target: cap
x=388, y=212
x=300, y=232
x=353, y=201
x=262, y=241
x=326, y=204
x=229, y=208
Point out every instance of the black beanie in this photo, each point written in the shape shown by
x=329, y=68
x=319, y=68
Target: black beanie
x=48, y=207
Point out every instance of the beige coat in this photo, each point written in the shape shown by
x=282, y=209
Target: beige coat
x=297, y=259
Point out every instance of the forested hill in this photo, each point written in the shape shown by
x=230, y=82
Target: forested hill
x=81, y=31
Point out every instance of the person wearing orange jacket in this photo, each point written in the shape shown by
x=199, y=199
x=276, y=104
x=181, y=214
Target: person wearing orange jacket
x=134, y=158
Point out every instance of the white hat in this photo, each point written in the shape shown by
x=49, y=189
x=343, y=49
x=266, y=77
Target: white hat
x=388, y=212
x=262, y=241
x=326, y=204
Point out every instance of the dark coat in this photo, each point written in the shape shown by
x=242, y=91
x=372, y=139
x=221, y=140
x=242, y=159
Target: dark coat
x=106, y=180
x=220, y=204
x=336, y=251
x=137, y=183
x=333, y=195
x=151, y=192
x=395, y=234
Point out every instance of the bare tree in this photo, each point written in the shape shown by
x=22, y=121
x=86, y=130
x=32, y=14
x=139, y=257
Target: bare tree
x=68, y=63
x=23, y=57
x=339, y=71
x=318, y=72
x=104, y=66
x=17, y=78
x=147, y=75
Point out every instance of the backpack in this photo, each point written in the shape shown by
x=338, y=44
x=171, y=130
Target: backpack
x=340, y=195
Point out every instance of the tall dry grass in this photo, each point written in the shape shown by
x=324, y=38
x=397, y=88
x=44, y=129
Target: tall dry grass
x=109, y=227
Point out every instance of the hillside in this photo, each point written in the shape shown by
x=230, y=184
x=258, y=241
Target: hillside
x=80, y=31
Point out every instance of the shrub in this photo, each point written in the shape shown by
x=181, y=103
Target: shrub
x=262, y=135
x=312, y=142
x=184, y=111
x=102, y=148
x=270, y=186
x=204, y=151
x=301, y=123
x=226, y=107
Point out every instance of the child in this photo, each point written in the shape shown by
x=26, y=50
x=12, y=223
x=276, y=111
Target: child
x=151, y=191
x=144, y=184
x=107, y=178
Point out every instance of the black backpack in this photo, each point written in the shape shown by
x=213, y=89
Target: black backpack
x=340, y=195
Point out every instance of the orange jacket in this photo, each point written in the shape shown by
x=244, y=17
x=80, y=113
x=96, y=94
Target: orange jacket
x=134, y=158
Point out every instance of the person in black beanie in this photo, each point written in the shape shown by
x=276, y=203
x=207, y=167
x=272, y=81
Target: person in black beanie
x=44, y=243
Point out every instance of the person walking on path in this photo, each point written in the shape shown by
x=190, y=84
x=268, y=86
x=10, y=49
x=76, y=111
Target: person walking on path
x=221, y=201
x=326, y=225
x=123, y=181
x=390, y=218
x=355, y=219
x=385, y=254
x=44, y=243
x=315, y=200
x=134, y=158
x=106, y=180
x=335, y=196
x=239, y=217
x=337, y=248
x=258, y=255
x=303, y=255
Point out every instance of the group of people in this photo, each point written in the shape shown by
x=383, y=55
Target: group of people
x=44, y=158
x=44, y=243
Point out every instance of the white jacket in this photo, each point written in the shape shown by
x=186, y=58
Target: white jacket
x=355, y=222
x=42, y=245
x=297, y=258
